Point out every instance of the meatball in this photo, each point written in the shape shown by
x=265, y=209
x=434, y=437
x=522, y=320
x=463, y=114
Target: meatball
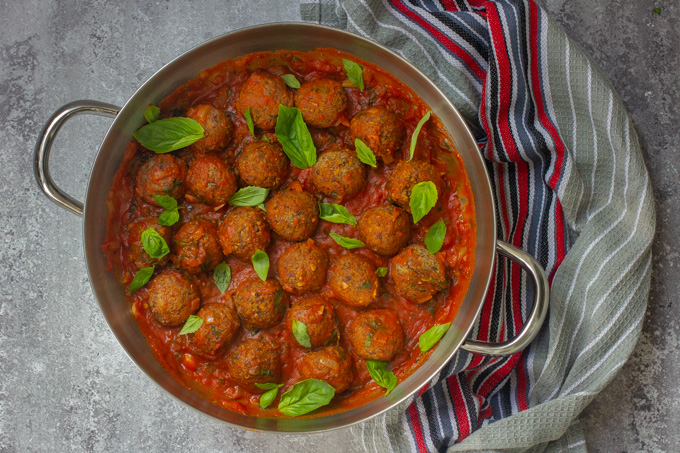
x=260, y=304
x=220, y=325
x=381, y=130
x=217, y=126
x=256, y=360
x=354, y=280
x=262, y=93
x=243, y=231
x=209, y=181
x=196, y=247
x=385, y=229
x=376, y=334
x=319, y=317
x=302, y=267
x=162, y=174
x=137, y=253
x=417, y=274
x=262, y=164
x=172, y=298
x=330, y=364
x=339, y=174
x=406, y=175
x=293, y=214
x=321, y=102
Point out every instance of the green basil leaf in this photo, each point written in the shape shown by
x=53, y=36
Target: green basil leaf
x=192, y=325
x=154, y=244
x=169, y=134
x=305, y=396
x=382, y=271
x=295, y=138
x=152, y=113
x=291, y=81
x=169, y=217
x=431, y=336
x=416, y=132
x=249, y=196
x=266, y=139
x=141, y=277
x=434, y=239
x=384, y=378
x=222, y=276
x=300, y=333
x=336, y=213
x=423, y=198
x=348, y=243
x=355, y=73
x=262, y=208
x=249, y=122
x=261, y=264
x=364, y=153
x=166, y=202
x=270, y=395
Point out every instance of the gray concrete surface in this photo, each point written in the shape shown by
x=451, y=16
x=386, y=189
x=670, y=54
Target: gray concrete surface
x=65, y=383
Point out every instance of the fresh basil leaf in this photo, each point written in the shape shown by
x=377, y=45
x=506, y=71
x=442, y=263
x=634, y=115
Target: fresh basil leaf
x=300, y=333
x=266, y=139
x=336, y=213
x=384, y=378
x=152, y=113
x=249, y=196
x=192, y=325
x=262, y=208
x=249, y=122
x=270, y=395
x=261, y=264
x=291, y=81
x=355, y=73
x=348, y=243
x=222, y=276
x=423, y=198
x=295, y=138
x=165, y=201
x=154, y=244
x=434, y=239
x=431, y=336
x=141, y=277
x=382, y=271
x=167, y=135
x=169, y=217
x=364, y=153
x=416, y=132
x=305, y=396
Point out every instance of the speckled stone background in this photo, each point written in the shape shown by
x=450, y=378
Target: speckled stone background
x=66, y=384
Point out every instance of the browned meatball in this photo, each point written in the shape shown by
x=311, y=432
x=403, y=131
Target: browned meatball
x=196, y=247
x=256, y=360
x=220, y=325
x=321, y=102
x=262, y=93
x=319, y=317
x=302, y=267
x=339, y=174
x=137, y=253
x=376, y=334
x=243, y=231
x=406, y=175
x=330, y=364
x=385, y=229
x=217, y=126
x=417, y=274
x=162, y=174
x=209, y=181
x=172, y=298
x=262, y=164
x=354, y=280
x=293, y=214
x=260, y=304
x=381, y=130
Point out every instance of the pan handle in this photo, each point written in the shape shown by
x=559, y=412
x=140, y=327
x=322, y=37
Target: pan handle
x=538, y=312
x=44, y=146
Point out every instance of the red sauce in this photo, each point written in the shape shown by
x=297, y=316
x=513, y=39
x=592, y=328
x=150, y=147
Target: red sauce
x=219, y=86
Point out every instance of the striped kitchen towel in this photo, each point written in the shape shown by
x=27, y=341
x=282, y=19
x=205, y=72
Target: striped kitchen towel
x=571, y=188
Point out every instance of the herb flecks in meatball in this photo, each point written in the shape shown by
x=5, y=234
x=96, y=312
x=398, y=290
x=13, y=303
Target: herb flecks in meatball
x=260, y=304
x=385, y=229
x=172, y=298
x=262, y=164
x=321, y=102
x=162, y=174
x=380, y=130
x=220, y=325
x=262, y=94
x=256, y=360
x=210, y=181
x=196, y=247
x=302, y=268
x=218, y=129
x=318, y=315
x=339, y=174
x=293, y=214
x=354, y=280
x=406, y=175
x=137, y=253
x=417, y=274
x=376, y=334
x=243, y=231
x=331, y=364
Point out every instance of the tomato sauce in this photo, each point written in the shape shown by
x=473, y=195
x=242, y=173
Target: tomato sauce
x=220, y=86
